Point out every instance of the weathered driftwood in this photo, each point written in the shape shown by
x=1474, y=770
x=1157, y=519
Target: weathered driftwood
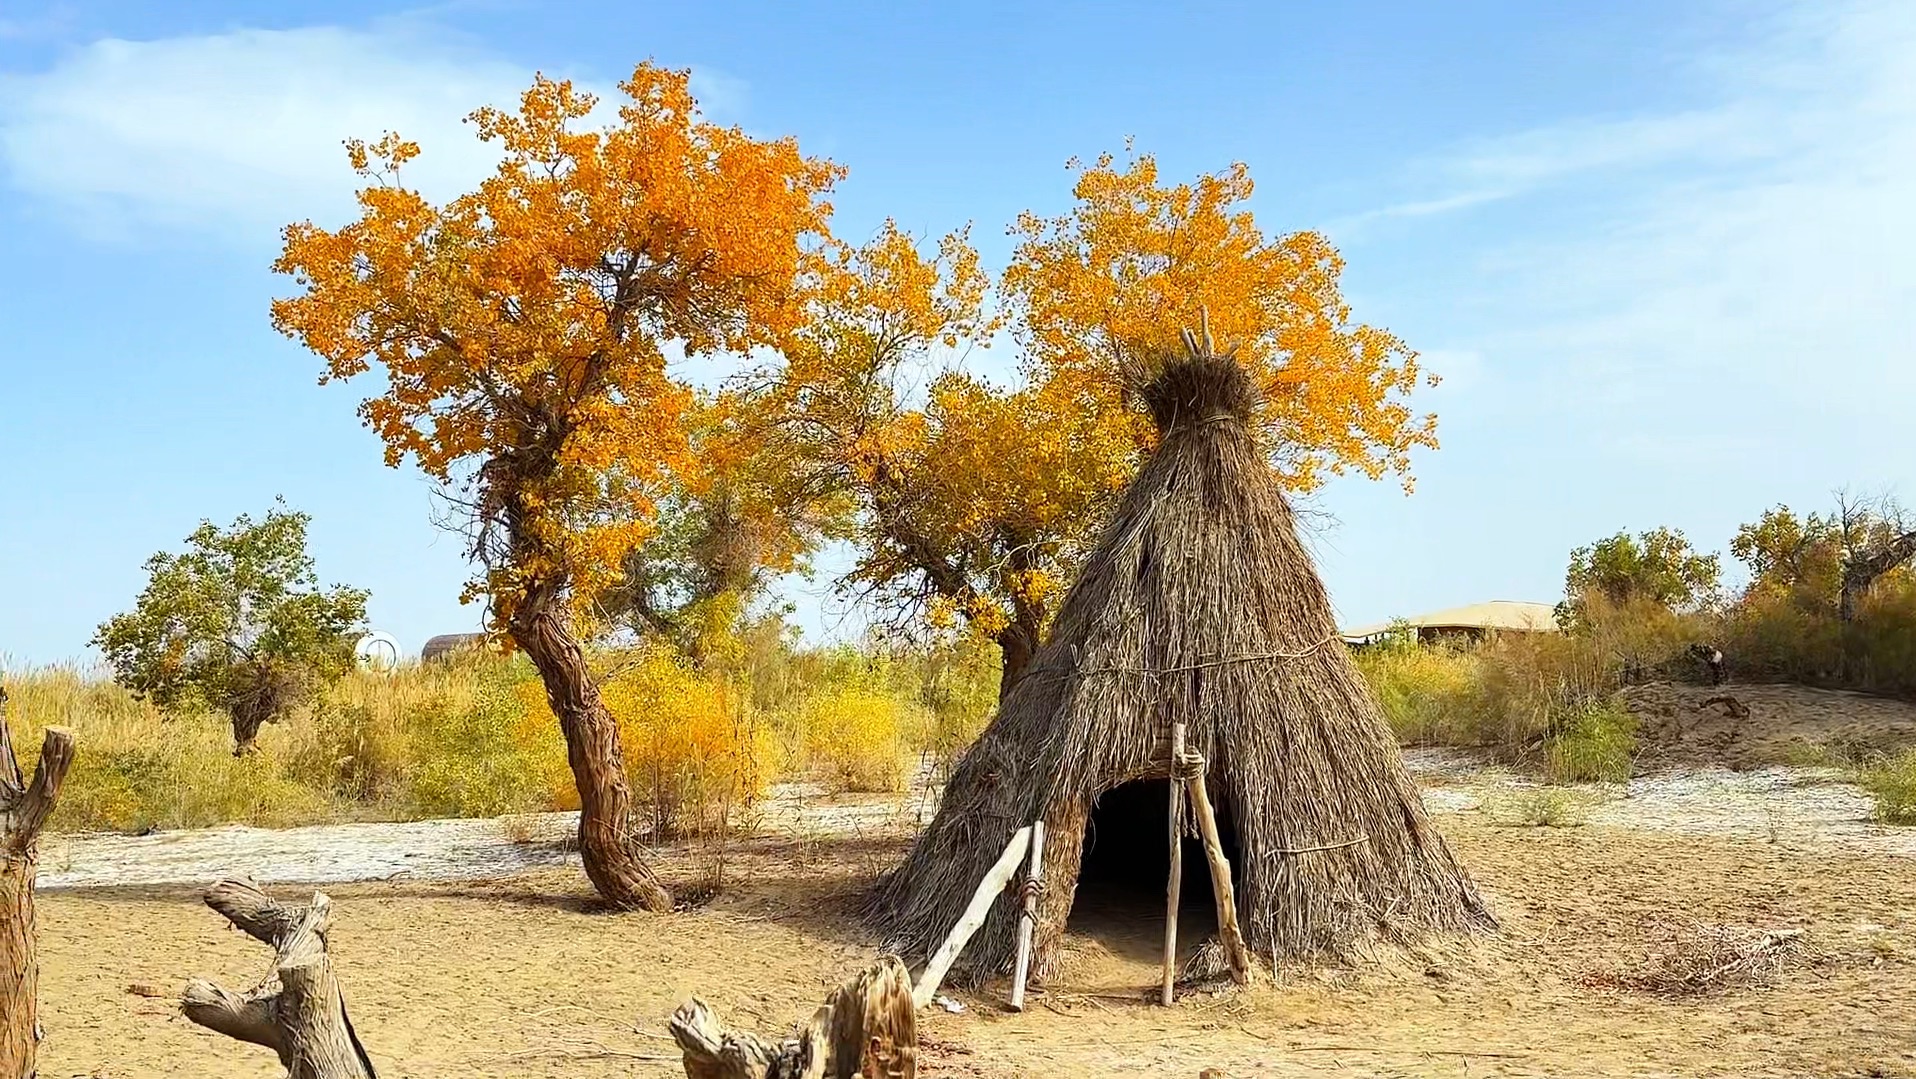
x=1175, y=885
x=868, y=1029
x=1034, y=881
x=974, y=916
x=24, y=808
x=1191, y=767
x=298, y=1011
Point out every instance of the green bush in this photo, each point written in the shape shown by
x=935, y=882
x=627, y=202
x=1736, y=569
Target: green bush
x=1539, y=807
x=1592, y=742
x=1891, y=782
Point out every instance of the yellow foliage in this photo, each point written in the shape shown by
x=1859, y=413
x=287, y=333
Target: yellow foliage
x=857, y=738
x=1109, y=285
x=691, y=743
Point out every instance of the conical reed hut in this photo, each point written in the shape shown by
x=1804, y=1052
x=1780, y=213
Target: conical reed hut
x=1201, y=607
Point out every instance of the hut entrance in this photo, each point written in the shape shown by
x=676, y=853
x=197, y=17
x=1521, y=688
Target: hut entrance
x=1126, y=864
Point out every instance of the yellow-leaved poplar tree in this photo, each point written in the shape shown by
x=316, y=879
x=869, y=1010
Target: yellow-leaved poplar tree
x=965, y=504
x=1100, y=293
x=979, y=503
x=521, y=330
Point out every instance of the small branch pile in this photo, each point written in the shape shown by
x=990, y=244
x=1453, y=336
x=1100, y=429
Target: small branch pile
x=1697, y=958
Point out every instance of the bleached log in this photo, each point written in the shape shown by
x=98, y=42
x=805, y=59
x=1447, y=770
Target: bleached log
x=298, y=1011
x=1028, y=917
x=867, y=1029
x=974, y=916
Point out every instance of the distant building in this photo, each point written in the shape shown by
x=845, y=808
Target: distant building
x=446, y=643
x=1472, y=623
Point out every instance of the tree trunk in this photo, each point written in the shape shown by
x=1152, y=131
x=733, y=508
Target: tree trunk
x=611, y=858
x=298, y=1011
x=24, y=809
x=1019, y=644
x=867, y=1030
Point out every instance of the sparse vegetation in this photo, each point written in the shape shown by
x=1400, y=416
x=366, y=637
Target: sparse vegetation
x=475, y=738
x=1891, y=781
x=1540, y=807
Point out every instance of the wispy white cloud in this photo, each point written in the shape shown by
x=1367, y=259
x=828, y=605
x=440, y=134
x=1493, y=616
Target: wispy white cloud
x=1757, y=254
x=234, y=134
x=1680, y=316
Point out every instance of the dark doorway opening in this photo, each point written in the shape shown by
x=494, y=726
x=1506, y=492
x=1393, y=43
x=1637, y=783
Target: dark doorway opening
x=1126, y=865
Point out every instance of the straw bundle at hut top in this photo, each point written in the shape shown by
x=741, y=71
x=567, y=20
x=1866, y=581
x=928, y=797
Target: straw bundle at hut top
x=1199, y=610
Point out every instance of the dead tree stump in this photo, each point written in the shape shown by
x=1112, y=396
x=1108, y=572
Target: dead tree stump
x=868, y=1029
x=297, y=1011
x=24, y=808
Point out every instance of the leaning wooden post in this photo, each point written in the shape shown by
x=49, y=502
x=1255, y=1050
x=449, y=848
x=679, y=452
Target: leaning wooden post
x=24, y=808
x=1034, y=880
x=1192, y=767
x=1176, y=884
x=298, y=1011
x=974, y=916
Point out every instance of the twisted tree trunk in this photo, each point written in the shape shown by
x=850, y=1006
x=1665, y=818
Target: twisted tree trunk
x=298, y=1011
x=606, y=846
x=868, y=1029
x=24, y=808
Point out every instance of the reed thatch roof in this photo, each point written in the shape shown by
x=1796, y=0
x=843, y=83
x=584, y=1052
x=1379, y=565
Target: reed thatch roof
x=1198, y=605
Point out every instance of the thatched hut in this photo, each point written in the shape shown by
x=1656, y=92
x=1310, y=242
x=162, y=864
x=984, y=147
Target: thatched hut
x=1199, y=605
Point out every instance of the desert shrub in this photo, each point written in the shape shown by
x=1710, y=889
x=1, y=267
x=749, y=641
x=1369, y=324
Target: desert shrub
x=475, y=748
x=1539, y=807
x=1546, y=700
x=1891, y=782
x=1594, y=741
x=694, y=748
x=1425, y=692
x=855, y=737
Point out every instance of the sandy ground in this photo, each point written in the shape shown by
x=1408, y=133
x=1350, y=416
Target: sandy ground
x=1775, y=724
x=521, y=976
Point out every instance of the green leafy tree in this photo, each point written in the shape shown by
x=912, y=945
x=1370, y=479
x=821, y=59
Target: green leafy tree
x=237, y=622
x=1830, y=561
x=1656, y=567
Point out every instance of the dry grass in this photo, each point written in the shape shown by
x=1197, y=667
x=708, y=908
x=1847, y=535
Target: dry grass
x=474, y=737
x=1541, y=807
x=1692, y=958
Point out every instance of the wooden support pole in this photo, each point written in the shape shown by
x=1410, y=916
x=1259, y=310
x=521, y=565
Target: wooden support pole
x=1034, y=880
x=1227, y=928
x=974, y=916
x=1176, y=884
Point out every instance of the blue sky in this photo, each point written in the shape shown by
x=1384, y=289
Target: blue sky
x=1664, y=255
